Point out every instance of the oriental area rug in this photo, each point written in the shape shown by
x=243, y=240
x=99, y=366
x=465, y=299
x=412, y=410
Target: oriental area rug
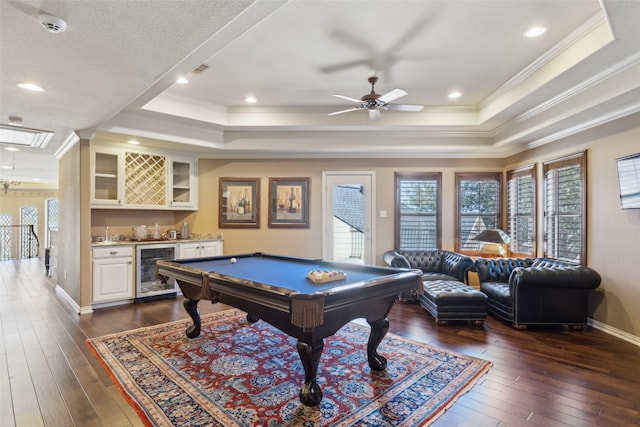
x=249, y=374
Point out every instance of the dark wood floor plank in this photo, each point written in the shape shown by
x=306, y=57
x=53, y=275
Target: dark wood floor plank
x=24, y=400
x=6, y=403
x=540, y=377
x=52, y=405
x=107, y=410
x=132, y=416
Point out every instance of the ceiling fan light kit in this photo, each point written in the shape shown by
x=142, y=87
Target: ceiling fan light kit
x=373, y=102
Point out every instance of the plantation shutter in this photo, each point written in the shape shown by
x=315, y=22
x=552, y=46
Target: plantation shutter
x=564, y=216
x=417, y=216
x=479, y=208
x=521, y=208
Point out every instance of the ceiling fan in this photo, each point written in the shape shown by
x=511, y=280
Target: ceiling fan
x=373, y=102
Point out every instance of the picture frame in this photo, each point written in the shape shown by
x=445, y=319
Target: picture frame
x=239, y=203
x=289, y=202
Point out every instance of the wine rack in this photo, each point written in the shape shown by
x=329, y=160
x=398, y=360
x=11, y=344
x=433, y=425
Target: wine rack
x=145, y=179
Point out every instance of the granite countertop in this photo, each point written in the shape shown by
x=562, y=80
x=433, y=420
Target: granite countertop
x=196, y=238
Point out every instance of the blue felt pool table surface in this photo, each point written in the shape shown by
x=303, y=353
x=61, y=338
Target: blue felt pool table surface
x=286, y=273
x=276, y=289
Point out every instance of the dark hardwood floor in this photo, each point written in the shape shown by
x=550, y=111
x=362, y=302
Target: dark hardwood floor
x=541, y=376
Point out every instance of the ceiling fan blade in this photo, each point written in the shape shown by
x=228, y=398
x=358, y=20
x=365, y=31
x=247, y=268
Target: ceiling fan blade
x=374, y=114
x=343, y=111
x=343, y=66
x=404, y=107
x=348, y=98
x=393, y=95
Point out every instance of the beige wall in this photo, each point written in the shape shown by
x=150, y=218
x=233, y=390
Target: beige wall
x=22, y=196
x=308, y=242
x=612, y=233
x=69, y=254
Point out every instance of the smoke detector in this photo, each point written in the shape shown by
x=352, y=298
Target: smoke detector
x=53, y=24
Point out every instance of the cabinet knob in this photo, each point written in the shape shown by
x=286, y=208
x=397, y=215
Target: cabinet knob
x=113, y=253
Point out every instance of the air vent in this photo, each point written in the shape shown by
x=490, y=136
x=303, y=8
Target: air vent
x=200, y=69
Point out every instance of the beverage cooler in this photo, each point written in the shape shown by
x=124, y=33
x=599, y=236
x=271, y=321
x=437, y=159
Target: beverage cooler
x=148, y=285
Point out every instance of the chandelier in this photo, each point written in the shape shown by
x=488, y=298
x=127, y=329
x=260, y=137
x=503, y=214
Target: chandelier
x=7, y=184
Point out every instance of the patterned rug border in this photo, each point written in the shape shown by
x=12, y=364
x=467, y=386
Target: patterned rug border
x=144, y=416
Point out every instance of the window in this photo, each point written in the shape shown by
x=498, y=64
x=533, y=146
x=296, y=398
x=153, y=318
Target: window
x=564, y=210
x=6, y=236
x=417, y=215
x=521, y=210
x=478, y=197
x=51, y=215
x=28, y=239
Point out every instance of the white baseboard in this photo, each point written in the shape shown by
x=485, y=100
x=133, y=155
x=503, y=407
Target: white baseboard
x=86, y=310
x=67, y=298
x=614, y=331
x=111, y=303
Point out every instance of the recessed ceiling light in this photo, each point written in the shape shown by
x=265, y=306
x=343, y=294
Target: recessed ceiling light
x=30, y=86
x=455, y=94
x=182, y=81
x=535, y=32
x=35, y=179
x=133, y=142
x=250, y=100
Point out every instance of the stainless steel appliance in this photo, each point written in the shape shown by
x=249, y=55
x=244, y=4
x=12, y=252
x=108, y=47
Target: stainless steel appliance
x=148, y=285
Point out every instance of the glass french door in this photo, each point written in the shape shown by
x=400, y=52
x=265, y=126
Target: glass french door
x=348, y=201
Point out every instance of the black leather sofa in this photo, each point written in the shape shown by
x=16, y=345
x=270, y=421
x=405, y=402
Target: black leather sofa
x=436, y=264
x=538, y=291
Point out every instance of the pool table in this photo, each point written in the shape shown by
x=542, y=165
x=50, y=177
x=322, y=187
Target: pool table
x=277, y=290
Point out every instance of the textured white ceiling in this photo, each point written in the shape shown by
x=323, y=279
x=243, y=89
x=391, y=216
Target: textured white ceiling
x=113, y=71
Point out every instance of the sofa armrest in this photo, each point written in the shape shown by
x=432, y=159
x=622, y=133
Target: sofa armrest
x=578, y=277
x=457, y=265
x=395, y=260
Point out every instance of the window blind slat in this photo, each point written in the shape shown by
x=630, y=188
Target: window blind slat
x=479, y=207
x=564, y=208
x=521, y=210
x=417, y=211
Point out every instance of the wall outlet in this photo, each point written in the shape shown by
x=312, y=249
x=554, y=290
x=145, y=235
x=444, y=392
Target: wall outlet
x=65, y=274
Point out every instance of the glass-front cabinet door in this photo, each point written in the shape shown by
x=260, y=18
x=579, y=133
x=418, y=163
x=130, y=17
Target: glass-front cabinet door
x=106, y=179
x=183, y=189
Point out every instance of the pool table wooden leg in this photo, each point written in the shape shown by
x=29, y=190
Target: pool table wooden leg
x=379, y=329
x=191, y=306
x=311, y=393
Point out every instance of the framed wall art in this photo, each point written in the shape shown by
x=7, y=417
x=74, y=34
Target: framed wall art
x=289, y=202
x=239, y=202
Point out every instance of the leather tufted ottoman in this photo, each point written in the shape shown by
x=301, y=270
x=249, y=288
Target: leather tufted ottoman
x=449, y=300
